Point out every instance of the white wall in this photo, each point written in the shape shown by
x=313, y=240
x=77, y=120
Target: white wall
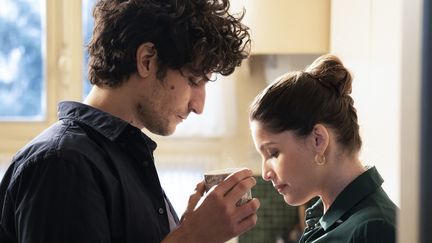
x=381, y=41
x=366, y=34
x=409, y=220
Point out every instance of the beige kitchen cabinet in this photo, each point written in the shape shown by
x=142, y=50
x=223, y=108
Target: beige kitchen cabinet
x=287, y=26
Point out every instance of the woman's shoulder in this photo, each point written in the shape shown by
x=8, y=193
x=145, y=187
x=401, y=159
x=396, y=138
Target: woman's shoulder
x=376, y=207
x=374, y=230
x=374, y=219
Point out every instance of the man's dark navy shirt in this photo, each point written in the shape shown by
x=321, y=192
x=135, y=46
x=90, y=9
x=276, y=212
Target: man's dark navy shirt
x=88, y=178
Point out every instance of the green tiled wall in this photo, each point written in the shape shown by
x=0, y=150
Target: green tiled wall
x=276, y=219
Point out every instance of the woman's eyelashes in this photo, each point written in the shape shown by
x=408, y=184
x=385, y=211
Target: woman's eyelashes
x=272, y=153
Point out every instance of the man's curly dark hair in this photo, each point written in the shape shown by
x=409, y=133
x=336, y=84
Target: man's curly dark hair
x=198, y=34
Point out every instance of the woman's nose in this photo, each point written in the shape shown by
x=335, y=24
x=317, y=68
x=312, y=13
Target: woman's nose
x=266, y=172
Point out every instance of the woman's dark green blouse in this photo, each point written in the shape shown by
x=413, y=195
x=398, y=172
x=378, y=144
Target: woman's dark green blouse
x=361, y=213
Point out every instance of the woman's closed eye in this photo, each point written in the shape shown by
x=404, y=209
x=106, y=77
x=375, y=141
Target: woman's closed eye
x=273, y=153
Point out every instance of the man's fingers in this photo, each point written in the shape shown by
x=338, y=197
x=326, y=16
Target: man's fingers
x=248, y=208
x=247, y=215
x=247, y=223
x=194, y=198
x=229, y=182
x=240, y=189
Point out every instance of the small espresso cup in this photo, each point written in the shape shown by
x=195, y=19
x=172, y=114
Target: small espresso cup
x=214, y=177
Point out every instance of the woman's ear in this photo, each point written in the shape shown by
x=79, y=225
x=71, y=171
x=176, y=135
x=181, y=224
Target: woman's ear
x=146, y=57
x=321, y=138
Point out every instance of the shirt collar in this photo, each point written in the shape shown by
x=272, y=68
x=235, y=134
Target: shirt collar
x=106, y=124
x=313, y=215
x=358, y=189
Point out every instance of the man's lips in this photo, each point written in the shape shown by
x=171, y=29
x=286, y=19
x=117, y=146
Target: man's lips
x=182, y=117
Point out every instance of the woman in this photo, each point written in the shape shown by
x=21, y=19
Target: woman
x=305, y=127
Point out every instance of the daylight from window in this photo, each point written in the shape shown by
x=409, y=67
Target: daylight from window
x=22, y=95
x=87, y=23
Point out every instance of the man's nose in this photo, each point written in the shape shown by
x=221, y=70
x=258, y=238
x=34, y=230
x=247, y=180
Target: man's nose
x=197, y=100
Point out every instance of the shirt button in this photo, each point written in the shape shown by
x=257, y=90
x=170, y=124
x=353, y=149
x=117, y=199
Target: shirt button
x=161, y=211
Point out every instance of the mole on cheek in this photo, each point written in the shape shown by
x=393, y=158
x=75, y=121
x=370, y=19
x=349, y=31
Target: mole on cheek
x=172, y=87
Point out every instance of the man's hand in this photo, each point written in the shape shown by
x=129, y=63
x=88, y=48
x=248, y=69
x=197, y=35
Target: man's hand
x=215, y=217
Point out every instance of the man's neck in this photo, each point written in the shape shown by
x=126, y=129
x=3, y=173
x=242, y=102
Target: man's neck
x=112, y=101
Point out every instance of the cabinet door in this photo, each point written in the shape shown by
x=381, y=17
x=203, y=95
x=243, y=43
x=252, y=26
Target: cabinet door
x=287, y=26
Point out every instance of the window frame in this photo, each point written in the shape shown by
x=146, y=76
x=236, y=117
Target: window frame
x=63, y=58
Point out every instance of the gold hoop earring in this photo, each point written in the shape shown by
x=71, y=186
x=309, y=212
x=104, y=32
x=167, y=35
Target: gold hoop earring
x=320, y=159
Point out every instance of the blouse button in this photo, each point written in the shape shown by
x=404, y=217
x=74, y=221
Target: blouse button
x=161, y=211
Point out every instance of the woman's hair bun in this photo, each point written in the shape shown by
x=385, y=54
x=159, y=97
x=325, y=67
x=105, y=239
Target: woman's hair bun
x=331, y=73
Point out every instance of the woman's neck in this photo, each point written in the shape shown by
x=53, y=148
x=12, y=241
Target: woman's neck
x=340, y=175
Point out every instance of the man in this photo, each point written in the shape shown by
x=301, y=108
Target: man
x=91, y=176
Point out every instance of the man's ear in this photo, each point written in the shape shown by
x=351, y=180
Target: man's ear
x=321, y=138
x=146, y=57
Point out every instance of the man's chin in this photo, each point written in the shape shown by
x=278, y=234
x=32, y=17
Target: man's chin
x=163, y=131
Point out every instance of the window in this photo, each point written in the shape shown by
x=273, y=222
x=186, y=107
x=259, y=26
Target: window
x=88, y=23
x=39, y=66
x=22, y=81
x=179, y=178
x=213, y=122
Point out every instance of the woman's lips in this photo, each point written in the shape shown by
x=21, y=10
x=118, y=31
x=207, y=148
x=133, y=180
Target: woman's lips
x=280, y=188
